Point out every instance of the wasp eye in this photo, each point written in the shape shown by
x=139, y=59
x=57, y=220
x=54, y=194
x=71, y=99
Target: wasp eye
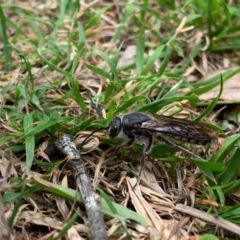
x=115, y=127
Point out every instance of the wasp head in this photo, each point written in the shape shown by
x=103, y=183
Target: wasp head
x=115, y=127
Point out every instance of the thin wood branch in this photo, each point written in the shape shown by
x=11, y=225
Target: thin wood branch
x=216, y=220
x=90, y=197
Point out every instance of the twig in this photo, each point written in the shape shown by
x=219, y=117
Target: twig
x=216, y=220
x=90, y=197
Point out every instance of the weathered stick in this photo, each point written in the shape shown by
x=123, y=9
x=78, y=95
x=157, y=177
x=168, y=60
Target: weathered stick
x=90, y=197
x=216, y=220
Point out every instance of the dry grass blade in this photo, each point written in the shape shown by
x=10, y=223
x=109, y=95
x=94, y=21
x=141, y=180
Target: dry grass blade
x=159, y=228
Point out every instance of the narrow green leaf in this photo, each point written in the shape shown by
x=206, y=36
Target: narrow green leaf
x=224, y=150
x=140, y=50
x=53, y=119
x=71, y=194
x=232, y=167
x=224, y=47
x=108, y=201
x=221, y=196
x=67, y=226
x=213, y=166
x=35, y=26
x=216, y=79
x=130, y=102
x=23, y=92
x=93, y=21
x=151, y=60
x=125, y=17
x=3, y=140
x=75, y=61
x=226, y=12
x=208, y=237
x=158, y=104
x=29, y=70
x=172, y=92
x=15, y=195
x=203, y=166
x=17, y=206
x=81, y=36
x=53, y=66
x=99, y=71
x=209, y=84
x=36, y=102
x=110, y=63
x=232, y=186
x=110, y=91
x=29, y=141
x=6, y=44
x=165, y=60
x=211, y=106
x=77, y=95
x=62, y=7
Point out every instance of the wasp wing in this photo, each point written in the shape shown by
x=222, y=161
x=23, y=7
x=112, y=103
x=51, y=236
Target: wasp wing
x=179, y=129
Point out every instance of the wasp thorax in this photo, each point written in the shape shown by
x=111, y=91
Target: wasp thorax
x=115, y=127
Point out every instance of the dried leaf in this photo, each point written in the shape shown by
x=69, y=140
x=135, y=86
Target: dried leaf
x=128, y=56
x=231, y=89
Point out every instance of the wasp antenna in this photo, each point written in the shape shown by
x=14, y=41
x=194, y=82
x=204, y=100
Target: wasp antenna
x=97, y=130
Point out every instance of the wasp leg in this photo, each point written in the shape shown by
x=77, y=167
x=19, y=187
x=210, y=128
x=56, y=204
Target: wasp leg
x=142, y=162
x=127, y=144
x=179, y=147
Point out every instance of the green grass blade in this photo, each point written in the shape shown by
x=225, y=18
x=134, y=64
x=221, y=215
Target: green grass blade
x=17, y=206
x=81, y=36
x=6, y=44
x=75, y=61
x=224, y=151
x=67, y=226
x=140, y=51
x=99, y=71
x=165, y=61
x=52, y=65
x=52, y=120
x=208, y=237
x=62, y=7
x=172, y=92
x=71, y=194
x=94, y=20
x=126, y=105
x=203, y=166
x=211, y=106
x=158, y=104
x=232, y=167
x=203, y=87
x=77, y=95
x=108, y=201
x=111, y=65
x=227, y=13
x=29, y=141
x=151, y=60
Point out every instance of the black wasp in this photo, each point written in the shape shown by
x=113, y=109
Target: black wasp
x=142, y=128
